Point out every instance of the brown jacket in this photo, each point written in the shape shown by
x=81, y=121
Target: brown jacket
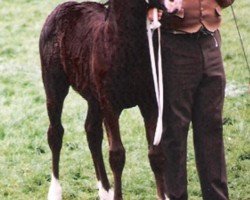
x=195, y=14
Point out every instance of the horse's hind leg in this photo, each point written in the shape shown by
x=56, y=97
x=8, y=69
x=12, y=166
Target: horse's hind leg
x=156, y=154
x=94, y=130
x=56, y=88
x=116, y=150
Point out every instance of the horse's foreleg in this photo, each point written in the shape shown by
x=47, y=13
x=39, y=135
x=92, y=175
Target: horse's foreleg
x=56, y=88
x=116, y=151
x=156, y=154
x=157, y=163
x=93, y=127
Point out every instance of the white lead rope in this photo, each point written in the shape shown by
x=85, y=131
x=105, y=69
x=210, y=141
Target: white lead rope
x=158, y=80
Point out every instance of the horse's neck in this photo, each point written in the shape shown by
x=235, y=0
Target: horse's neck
x=127, y=27
x=128, y=14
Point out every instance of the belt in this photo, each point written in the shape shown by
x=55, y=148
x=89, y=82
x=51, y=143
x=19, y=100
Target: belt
x=203, y=32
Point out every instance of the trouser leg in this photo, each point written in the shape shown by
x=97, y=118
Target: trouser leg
x=207, y=125
x=182, y=71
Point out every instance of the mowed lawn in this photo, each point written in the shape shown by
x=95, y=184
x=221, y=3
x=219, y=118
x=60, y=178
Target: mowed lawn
x=25, y=158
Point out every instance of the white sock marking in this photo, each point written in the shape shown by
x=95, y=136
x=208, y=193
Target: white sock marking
x=166, y=197
x=104, y=194
x=55, y=190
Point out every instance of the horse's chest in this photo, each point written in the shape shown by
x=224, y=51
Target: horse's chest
x=122, y=89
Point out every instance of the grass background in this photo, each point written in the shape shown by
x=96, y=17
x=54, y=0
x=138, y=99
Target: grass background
x=25, y=158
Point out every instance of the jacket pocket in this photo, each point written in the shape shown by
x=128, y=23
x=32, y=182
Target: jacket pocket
x=218, y=11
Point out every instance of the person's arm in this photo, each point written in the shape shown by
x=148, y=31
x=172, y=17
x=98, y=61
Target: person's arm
x=225, y=3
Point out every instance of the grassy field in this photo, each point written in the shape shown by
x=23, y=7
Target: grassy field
x=25, y=158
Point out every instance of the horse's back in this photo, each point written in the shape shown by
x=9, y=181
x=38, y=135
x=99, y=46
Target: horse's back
x=67, y=38
x=70, y=14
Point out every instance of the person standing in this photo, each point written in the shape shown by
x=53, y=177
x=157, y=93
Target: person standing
x=194, y=86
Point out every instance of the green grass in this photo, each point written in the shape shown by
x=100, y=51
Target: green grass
x=25, y=158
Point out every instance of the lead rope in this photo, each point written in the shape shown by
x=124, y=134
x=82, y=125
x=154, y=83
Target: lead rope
x=158, y=80
x=241, y=41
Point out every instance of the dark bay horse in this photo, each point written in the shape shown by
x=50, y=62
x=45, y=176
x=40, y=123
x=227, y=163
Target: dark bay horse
x=100, y=51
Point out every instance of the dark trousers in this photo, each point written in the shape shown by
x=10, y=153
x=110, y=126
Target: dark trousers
x=194, y=81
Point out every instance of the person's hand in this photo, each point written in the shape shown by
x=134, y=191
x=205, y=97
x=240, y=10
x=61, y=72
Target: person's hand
x=173, y=6
x=150, y=14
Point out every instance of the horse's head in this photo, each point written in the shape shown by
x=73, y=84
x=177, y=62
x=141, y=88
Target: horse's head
x=171, y=6
x=156, y=3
